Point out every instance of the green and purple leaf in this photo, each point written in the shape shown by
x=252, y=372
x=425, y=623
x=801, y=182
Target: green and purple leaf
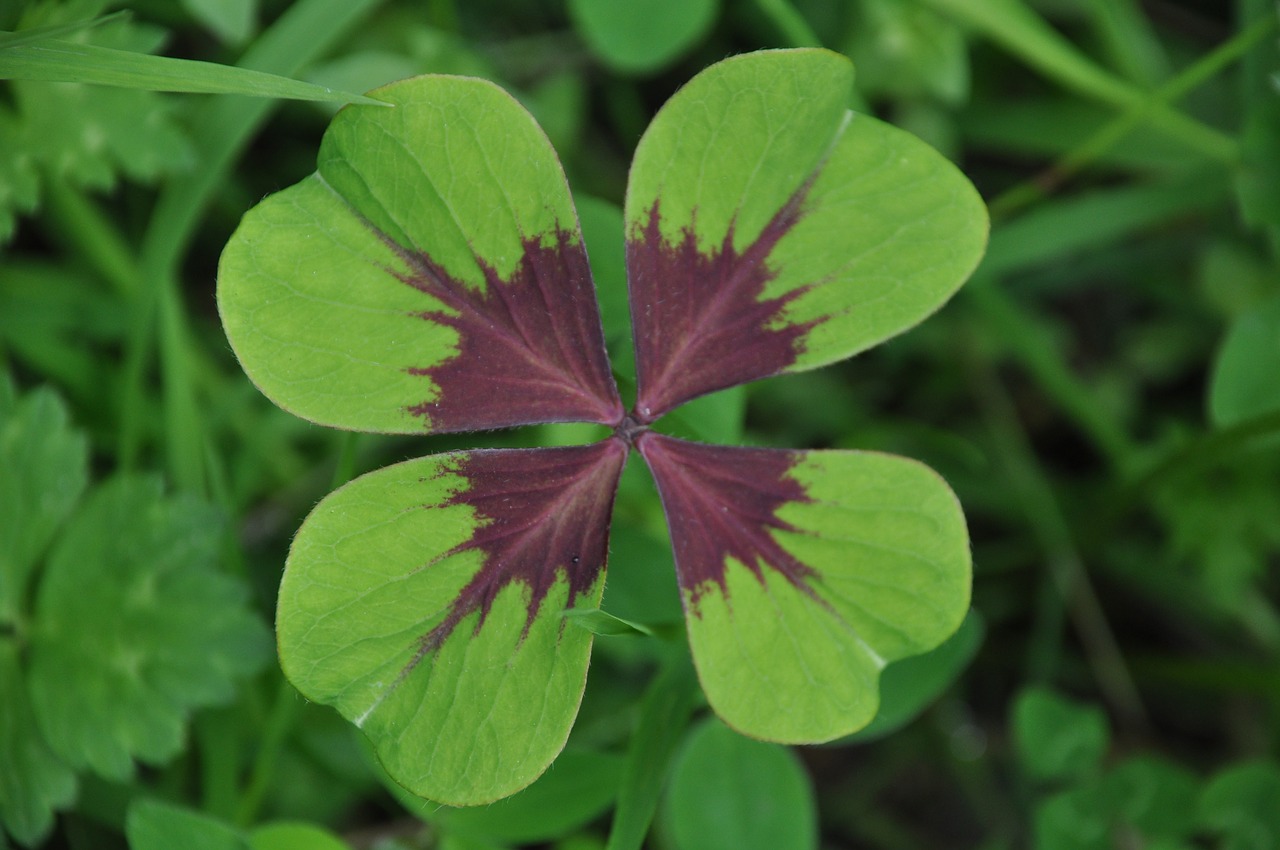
x=430, y=276
x=770, y=230
x=425, y=602
x=804, y=573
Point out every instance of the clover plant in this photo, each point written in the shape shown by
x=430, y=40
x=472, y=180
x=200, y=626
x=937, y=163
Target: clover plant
x=431, y=277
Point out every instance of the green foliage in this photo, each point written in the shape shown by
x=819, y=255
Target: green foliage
x=1099, y=398
x=117, y=633
x=1144, y=798
x=644, y=35
x=1242, y=385
x=728, y=792
x=1058, y=739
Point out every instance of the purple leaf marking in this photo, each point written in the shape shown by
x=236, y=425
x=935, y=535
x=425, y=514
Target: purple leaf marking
x=540, y=513
x=530, y=349
x=722, y=502
x=700, y=323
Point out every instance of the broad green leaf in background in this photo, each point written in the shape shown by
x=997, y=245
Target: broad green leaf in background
x=1243, y=382
x=1239, y=803
x=230, y=20
x=785, y=559
x=664, y=714
x=641, y=36
x=1057, y=738
x=770, y=230
x=430, y=276
x=728, y=792
x=294, y=836
x=603, y=231
x=153, y=825
x=449, y=649
x=907, y=687
x=45, y=465
x=577, y=788
x=1154, y=796
x=134, y=627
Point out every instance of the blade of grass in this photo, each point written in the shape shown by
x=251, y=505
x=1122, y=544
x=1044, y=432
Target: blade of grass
x=1049, y=525
x=221, y=131
x=68, y=62
x=664, y=714
x=1031, y=345
x=1128, y=37
x=14, y=39
x=1258, y=181
x=1054, y=233
x=1079, y=223
x=1018, y=29
x=1108, y=135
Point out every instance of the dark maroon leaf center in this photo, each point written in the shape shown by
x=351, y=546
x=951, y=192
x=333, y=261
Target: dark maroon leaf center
x=722, y=502
x=540, y=514
x=530, y=349
x=700, y=322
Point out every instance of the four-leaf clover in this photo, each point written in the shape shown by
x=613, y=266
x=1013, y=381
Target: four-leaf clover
x=431, y=276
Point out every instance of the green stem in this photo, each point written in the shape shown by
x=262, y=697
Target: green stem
x=284, y=711
x=664, y=713
x=1062, y=557
x=1035, y=352
x=795, y=30
x=1111, y=133
x=82, y=226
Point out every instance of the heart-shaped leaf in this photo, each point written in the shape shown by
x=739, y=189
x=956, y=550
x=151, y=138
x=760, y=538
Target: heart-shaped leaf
x=424, y=601
x=804, y=574
x=771, y=230
x=430, y=276
x=728, y=792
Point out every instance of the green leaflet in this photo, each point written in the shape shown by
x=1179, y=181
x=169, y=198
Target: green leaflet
x=795, y=232
x=449, y=649
x=430, y=276
x=866, y=564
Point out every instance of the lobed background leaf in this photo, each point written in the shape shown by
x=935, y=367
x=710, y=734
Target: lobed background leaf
x=134, y=627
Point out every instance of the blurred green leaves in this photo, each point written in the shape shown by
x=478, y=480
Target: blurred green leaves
x=641, y=36
x=728, y=792
x=111, y=640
